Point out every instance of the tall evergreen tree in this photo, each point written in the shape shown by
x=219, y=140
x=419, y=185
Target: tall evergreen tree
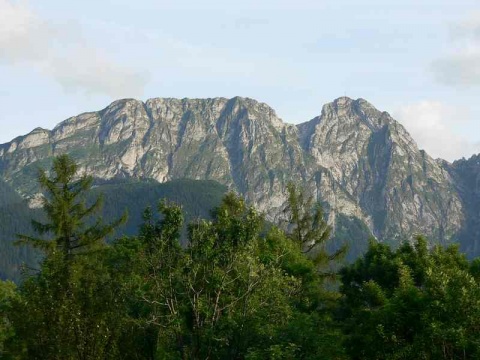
x=65, y=207
x=67, y=310
x=307, y=227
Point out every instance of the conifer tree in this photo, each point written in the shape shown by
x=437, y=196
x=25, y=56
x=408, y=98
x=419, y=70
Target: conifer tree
x=68, y=309
x=67, y=213
x=308, y=227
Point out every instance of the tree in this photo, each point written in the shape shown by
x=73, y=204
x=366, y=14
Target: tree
x=67, y=309
x=65, y=208
x=8, y=295
x=239, y=290
x=307, y=227
x=411, y=303
x=201, y=299
x=236, y=291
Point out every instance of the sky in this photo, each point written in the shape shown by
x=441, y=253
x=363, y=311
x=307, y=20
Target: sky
x=417, y=60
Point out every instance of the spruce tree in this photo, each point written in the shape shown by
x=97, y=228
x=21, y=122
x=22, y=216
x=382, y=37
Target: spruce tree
x=68, y=309
x=308, y=228
x=67, y=213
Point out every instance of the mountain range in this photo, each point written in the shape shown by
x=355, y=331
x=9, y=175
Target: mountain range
x=359, y=162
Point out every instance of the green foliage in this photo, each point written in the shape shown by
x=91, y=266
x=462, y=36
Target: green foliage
x=195, y=197
x=15, y=217
x=66, y=210
x=411, y=303
x=67, y=310
x=307, y=227
x=68, y=318
x=234, y=292
x=8, y=294
x=231, y=286
x=199, y=299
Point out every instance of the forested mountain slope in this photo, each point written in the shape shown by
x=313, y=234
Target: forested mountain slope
x=197, y=198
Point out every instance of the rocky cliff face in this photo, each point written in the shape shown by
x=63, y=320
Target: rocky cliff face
x=398, y=188
x=466, y=175
x=356, y=159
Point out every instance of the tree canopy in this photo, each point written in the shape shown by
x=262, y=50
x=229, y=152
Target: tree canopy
x=239, y=288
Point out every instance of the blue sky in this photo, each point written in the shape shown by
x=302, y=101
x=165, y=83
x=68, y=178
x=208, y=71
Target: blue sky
x=418, y=60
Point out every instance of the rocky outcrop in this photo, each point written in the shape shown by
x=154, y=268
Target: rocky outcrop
x=466, y=175
x=399, y=188
x=357, y=160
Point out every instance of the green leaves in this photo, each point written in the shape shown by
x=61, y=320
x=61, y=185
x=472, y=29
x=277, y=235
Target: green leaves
x=8, y=295
x=233, y=292
x=307, y=228
x=411, y=303
x=239, y=289
x=65, y=208
x=69, y=309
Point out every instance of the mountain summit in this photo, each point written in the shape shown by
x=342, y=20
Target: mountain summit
x=357, y=160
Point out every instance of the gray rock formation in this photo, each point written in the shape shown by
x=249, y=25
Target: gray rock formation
x=359, y=161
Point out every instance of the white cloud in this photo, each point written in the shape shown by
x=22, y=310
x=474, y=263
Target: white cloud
x=61, y=53
x=469, y=28
x=461, y=65
x=92, y=72
x=22, y=35
x=431, y=124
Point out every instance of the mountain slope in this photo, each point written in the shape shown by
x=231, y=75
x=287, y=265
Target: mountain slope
x=15, y=218
x=467, y=181
x=358, y=161
x=399, y=189
x=197, y=198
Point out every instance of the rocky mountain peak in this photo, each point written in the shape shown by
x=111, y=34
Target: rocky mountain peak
x=347, y=110
x=356, y=159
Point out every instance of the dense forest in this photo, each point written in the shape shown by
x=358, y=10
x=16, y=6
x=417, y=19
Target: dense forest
x=15, y=218
x=195, y=197
x=237, y=288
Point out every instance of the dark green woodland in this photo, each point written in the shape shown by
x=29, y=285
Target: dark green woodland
x=155, y=275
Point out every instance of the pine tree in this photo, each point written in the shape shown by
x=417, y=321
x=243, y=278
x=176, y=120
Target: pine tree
x=308, y=227
x=67, y=212
x=68, y=309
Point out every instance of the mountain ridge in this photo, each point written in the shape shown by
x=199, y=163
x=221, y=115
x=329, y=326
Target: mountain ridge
x=171, y=99
x=357, y=160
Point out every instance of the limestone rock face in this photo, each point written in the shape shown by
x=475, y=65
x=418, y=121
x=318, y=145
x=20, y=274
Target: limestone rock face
x=399, y=188
x=357, y=160
x=466, y=175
